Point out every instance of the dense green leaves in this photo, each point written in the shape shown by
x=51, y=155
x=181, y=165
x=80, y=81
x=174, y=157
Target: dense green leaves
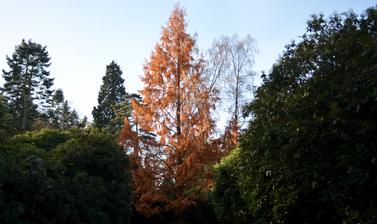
x=228, y=204
x=309, y=154
x=6, y=126
x=71, y=176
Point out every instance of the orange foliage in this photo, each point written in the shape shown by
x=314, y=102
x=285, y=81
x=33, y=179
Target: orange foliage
x=173, y=170
x=230, y=137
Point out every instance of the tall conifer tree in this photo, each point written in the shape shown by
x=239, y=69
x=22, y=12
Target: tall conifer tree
x=173, y=172
x=61, y=115
x=27, y=85
x=110, y=96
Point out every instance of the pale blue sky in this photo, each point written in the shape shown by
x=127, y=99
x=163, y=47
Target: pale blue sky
x=82, y=37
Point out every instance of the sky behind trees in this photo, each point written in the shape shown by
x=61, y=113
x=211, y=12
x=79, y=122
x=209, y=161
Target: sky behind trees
x=82, y=37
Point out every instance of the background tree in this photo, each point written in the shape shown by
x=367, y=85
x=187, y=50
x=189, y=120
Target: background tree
x=6, y=127
x=229, y=63
x=27, y=83
x=308, y=156
x=61, y=115
x=111, y=94
x=173, y=172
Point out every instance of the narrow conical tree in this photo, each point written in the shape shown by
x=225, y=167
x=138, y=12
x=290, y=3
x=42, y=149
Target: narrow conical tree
x=111, y=94
x=27, y=85
x=173, y=172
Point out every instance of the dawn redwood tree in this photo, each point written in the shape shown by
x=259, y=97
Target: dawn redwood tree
x=27, y=85
x=173, y=170
x=111, y=94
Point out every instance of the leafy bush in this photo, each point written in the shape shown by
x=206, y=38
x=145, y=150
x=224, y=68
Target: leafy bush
x=55, y=176
x=226, y=198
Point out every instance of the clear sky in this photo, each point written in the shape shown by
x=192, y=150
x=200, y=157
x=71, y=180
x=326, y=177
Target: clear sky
x=83, y=36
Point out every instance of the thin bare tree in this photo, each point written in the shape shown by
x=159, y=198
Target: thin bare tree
x=230, y=72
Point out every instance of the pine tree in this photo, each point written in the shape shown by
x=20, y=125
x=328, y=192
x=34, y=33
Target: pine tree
x=172, y=171
x=111, y=94
x=61, y=115
x=27, y=85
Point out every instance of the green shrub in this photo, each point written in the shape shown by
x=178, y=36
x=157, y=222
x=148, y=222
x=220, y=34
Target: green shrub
x=54, y=176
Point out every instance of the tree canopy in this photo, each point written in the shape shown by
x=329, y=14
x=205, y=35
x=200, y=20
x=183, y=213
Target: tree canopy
x=308, y=156
x=27, y=85
x=70, y=176
x=110, y=97
x=173, y=172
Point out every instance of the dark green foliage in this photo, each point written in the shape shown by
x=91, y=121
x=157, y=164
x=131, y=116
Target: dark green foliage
x=70, y=176
x=121, y=110
x=61, y=115
x=46, y=139
x=226, y=198
x=200, y=213
x=6, y=127
x=309, y=154
x=111, y=98
x=27, y=83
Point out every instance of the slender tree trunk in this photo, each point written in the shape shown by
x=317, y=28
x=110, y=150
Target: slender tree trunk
x=26, y=95
x=24, y=111
x=236, y=102
x=178, y=110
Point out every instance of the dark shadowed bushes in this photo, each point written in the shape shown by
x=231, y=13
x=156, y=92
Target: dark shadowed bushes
x=54, y=176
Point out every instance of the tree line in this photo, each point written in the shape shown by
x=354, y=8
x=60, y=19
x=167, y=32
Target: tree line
x=300, y=148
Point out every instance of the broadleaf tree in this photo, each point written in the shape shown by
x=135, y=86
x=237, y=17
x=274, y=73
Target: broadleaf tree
x=308, y=155
x=230, y=72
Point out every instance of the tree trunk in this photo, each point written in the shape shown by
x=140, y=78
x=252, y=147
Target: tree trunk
x=26, y=95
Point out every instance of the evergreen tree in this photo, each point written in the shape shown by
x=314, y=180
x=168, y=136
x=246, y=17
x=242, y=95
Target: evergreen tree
x=27, y=83
x=61, y=115
x=6, y=128
x=55, y=112
x=111, y=94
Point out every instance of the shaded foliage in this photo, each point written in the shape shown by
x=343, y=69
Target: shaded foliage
x=71, y=176
x=226, y=199
x=27, y=85
x=6, y=126
x=309, y=154
x=112, y=103
x=60, y=114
